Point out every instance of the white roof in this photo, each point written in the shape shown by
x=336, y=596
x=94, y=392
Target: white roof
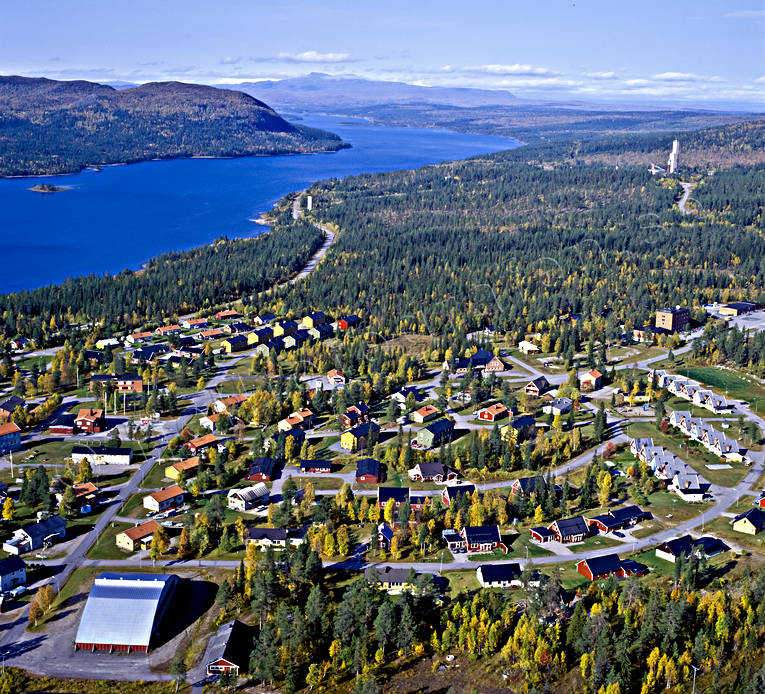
x=122, y=608
x=253, y=493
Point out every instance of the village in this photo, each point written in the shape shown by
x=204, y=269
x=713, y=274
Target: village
x=210, y=441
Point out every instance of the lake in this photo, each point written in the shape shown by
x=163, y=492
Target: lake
x=123, y=215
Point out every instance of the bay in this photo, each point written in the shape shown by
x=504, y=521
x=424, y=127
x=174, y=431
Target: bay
x=122, y=216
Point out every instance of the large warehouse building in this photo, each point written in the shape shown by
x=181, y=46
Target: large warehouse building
x=123, y=612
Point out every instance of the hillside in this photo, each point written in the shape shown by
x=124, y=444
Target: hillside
x=58, y=127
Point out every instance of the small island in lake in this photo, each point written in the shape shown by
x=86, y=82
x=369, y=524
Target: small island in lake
x=48, y=188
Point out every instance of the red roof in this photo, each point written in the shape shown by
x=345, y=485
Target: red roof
x=8, y=428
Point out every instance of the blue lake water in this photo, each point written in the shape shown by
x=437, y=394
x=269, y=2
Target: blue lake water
x=122, y=216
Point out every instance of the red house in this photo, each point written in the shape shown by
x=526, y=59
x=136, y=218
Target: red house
x=368, y=471
x=493, y=412
x=323, y=466
x=483, y=538
x=597, y=568
x=91, y=421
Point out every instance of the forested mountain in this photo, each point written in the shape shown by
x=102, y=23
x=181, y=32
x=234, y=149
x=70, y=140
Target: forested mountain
x=53, y=127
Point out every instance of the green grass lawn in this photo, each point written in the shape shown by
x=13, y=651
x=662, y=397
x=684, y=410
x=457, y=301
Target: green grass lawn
x=460, y=581
x=691, y=452
x=105, y=546
x=722, y=528
x=735, y=385
x=156, y=476
x=133, y=507
x=323, y=483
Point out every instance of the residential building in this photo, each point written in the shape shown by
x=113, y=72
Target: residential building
x=750, y=522
x=236, y=328
x=590, y=381
x=541, y=534
x=90, y=420
x=260, y=336
x=558, y=406
x=85, y=497
x=504, y=575
x=227, y=650
x=102, y=455
x=321, y=332
x=482, y=360
x=493, y=412
x=424, y=414
x=618, y=519
x=368, y=471
x=13, y=573
x=164, y=499
x=8, y=406
x=228, y=404
x=683, y=546
x=452, y=492
x=188, y=468
x=235, y=343
x=528, y=347
x=598, y=568
x=359, y=437
x=212, y=334
x=63, y=425
x=346, y=322
x=673, y=319
x=314, y=319
x=166, y=330
x=688, y=486
x=336, y=377
x=137, y=537
x=137, y=338
x=202, y=443
x=483, y=538
x=247, y=498
x=522, y=424
x=285, y=328
x=36, y=535
x=10, y=438
x=384, y=536
x=316, y=466
x=355, y=414
x=431, y=472
x=401, y=395
x=261, y=470
x=194, y=323
x=537, y=386
x=568, y=530
x=226, y=314
x=210, y=421
x=302, y=419
x=436, y=433
x=400, y=495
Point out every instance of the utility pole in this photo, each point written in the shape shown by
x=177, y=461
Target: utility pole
x=695, y=670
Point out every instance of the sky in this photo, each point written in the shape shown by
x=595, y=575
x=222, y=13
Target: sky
x=652, y=51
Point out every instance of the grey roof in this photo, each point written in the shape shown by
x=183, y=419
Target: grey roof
x=222, y=645
x=123, y=608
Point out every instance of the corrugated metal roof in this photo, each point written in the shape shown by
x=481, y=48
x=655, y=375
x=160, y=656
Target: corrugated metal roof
x=122, y=608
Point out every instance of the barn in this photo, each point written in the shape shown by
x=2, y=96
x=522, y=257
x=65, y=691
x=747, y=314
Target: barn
x=123, y=612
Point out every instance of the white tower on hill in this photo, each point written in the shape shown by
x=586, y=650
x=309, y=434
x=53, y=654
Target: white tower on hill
x=673, y=157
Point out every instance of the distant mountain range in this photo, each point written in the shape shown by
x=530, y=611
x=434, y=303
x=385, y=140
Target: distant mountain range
x=321, y=91
x=58, y=127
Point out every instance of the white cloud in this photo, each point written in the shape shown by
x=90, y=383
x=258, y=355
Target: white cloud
x=761, y=80
x=601, y=75
x=636, y=83
x=676, y=77
x=757, y=15
x=314, y=57
x=515, y=69
x=229, y=60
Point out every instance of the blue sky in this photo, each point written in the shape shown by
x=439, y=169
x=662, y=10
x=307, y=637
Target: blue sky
x=709, y=52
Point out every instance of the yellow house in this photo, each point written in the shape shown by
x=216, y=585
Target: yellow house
x=391, y=580
x=137, y=537
x=235, y=343
x=751, y=522
x=348, y=441
x=314, y=319
x=189, y=466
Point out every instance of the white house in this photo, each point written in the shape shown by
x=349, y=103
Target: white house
x=247, y=498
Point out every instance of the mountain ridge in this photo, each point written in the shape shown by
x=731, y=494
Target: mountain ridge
x=53, y=127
